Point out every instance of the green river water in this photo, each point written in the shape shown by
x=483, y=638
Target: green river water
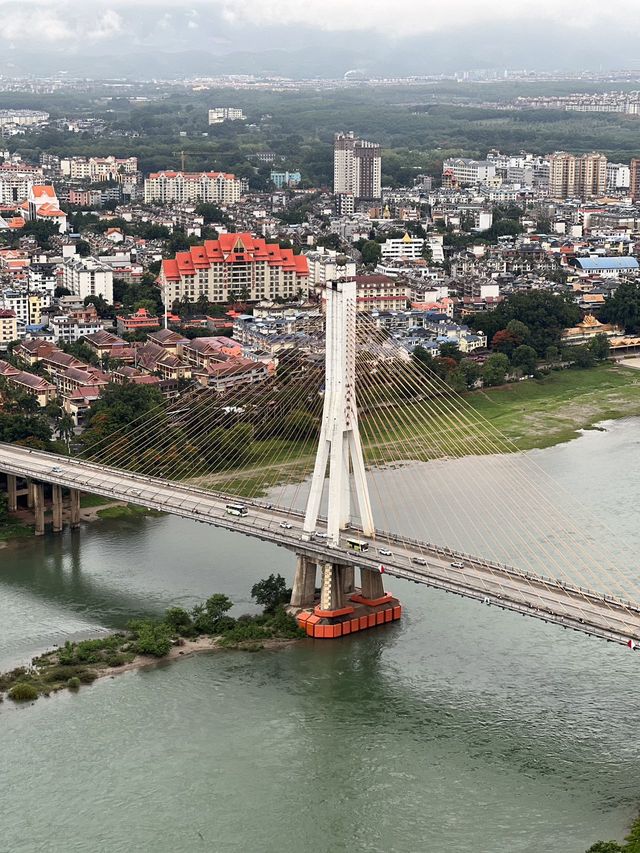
x=462, y=729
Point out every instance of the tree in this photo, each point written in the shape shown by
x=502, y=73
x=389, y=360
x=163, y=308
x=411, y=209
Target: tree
x=66, y=428
x=471, y=371
x=371, y=252
x=207, y=616
x=545, y=314
x=450, y=350
x=606, y=847
x=152, y=638
x=271, y=592
x=4, y=508
x=519, y=331
x=582, y=356
x=526, y=358
x=623, y=308
x=179, y=620
x=457, y=380
x=600, y=347
x=504, y=341
x=494, y=371
x=552, y=355
x=101, y=305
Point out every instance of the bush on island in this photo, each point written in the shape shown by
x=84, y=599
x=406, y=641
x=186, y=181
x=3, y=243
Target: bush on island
x=23, y=692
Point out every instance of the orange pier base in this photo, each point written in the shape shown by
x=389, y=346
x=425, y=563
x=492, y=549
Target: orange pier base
x=360, y=615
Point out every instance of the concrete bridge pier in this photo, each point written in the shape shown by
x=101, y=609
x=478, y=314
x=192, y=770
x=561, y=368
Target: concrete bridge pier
x=333, y=600
x=30, y=493
x=38, y=507
x=344, y=610
x=349, y=580
x=372, y=586
x=12, y=492
x=74, y=508
x=57, y=508
x=304, y=583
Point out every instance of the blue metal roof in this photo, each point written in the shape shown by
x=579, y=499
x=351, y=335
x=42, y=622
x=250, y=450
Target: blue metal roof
x=625, y=263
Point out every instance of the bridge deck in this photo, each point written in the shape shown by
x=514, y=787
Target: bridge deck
x=592, y=613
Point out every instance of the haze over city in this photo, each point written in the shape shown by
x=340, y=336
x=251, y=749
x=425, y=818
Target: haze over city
x=312, y=38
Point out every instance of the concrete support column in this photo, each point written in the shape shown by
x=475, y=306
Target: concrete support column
x=372, y=585
x=38, y=507
x=12, y=493
x=304, y=583
x=30, y=493
x=332, y=595
x=57, y=509
x=74, y=506
x=349, y=580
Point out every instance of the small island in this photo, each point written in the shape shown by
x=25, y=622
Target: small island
x=179, y=633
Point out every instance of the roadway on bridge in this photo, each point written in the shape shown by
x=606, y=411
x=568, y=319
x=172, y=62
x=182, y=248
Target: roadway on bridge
x=421, y=562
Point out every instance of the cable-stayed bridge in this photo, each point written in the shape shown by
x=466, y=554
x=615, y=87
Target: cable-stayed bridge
x=253, y=463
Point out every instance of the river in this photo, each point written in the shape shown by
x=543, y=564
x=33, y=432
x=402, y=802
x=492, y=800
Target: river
x=461, y=729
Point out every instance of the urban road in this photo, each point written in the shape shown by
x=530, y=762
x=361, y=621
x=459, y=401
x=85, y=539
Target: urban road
x=593, y=613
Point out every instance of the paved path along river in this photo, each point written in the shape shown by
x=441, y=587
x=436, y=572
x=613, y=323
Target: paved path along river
x=460, y=729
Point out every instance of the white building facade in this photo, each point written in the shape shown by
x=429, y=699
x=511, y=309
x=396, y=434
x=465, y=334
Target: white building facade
x=216, y=187
x=88, y=277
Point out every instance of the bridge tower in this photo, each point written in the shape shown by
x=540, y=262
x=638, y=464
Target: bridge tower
x=339, y=449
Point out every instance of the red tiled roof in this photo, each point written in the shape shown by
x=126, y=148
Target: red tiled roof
x=192, y=176
x=230, y=249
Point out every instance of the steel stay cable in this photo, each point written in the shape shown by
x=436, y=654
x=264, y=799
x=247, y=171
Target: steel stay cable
x=535, y=491
x=231, y=465
x=536, y=572
x=399, y=426
x=422, y=403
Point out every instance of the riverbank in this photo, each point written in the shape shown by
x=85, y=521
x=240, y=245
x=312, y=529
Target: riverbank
x=555, y=409
x=20, y=525
x=179, y=634
x=631, y=844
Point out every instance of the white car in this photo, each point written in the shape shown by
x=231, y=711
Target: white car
x=457, y=565
x=384, y=552
x=285, y=525
x=321, y=535
x=418, y=561
x=56, y=469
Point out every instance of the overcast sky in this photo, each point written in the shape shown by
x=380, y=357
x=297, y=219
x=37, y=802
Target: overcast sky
x=459, y=33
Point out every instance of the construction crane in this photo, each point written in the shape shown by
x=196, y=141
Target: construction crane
x=183, y=155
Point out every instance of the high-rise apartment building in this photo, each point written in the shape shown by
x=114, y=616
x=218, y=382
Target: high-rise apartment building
x=357, y=167
x=634, y=179
x=217, y=187
x=235, y=266
x=584, y=176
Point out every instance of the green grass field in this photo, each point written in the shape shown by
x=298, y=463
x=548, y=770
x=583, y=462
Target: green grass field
x=552, y=410
x=521, y=416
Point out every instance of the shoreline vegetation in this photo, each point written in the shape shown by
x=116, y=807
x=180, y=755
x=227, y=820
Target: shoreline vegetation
x=178, y=634
x=631, y=843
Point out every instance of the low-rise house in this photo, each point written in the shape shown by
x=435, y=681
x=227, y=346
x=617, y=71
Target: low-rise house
x=75, y=377
x=141, y=320
x=8, y=327
x=167, y=339
x=202, y=351
x=108, y=345
x=79, y=401
x=127, y=373
x=231, y=373
x=152, y=358
x=29, y=383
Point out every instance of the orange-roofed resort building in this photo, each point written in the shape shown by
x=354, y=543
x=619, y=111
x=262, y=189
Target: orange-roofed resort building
x=234, y=266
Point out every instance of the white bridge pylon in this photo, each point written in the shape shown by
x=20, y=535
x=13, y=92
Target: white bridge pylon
x=340, y=447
